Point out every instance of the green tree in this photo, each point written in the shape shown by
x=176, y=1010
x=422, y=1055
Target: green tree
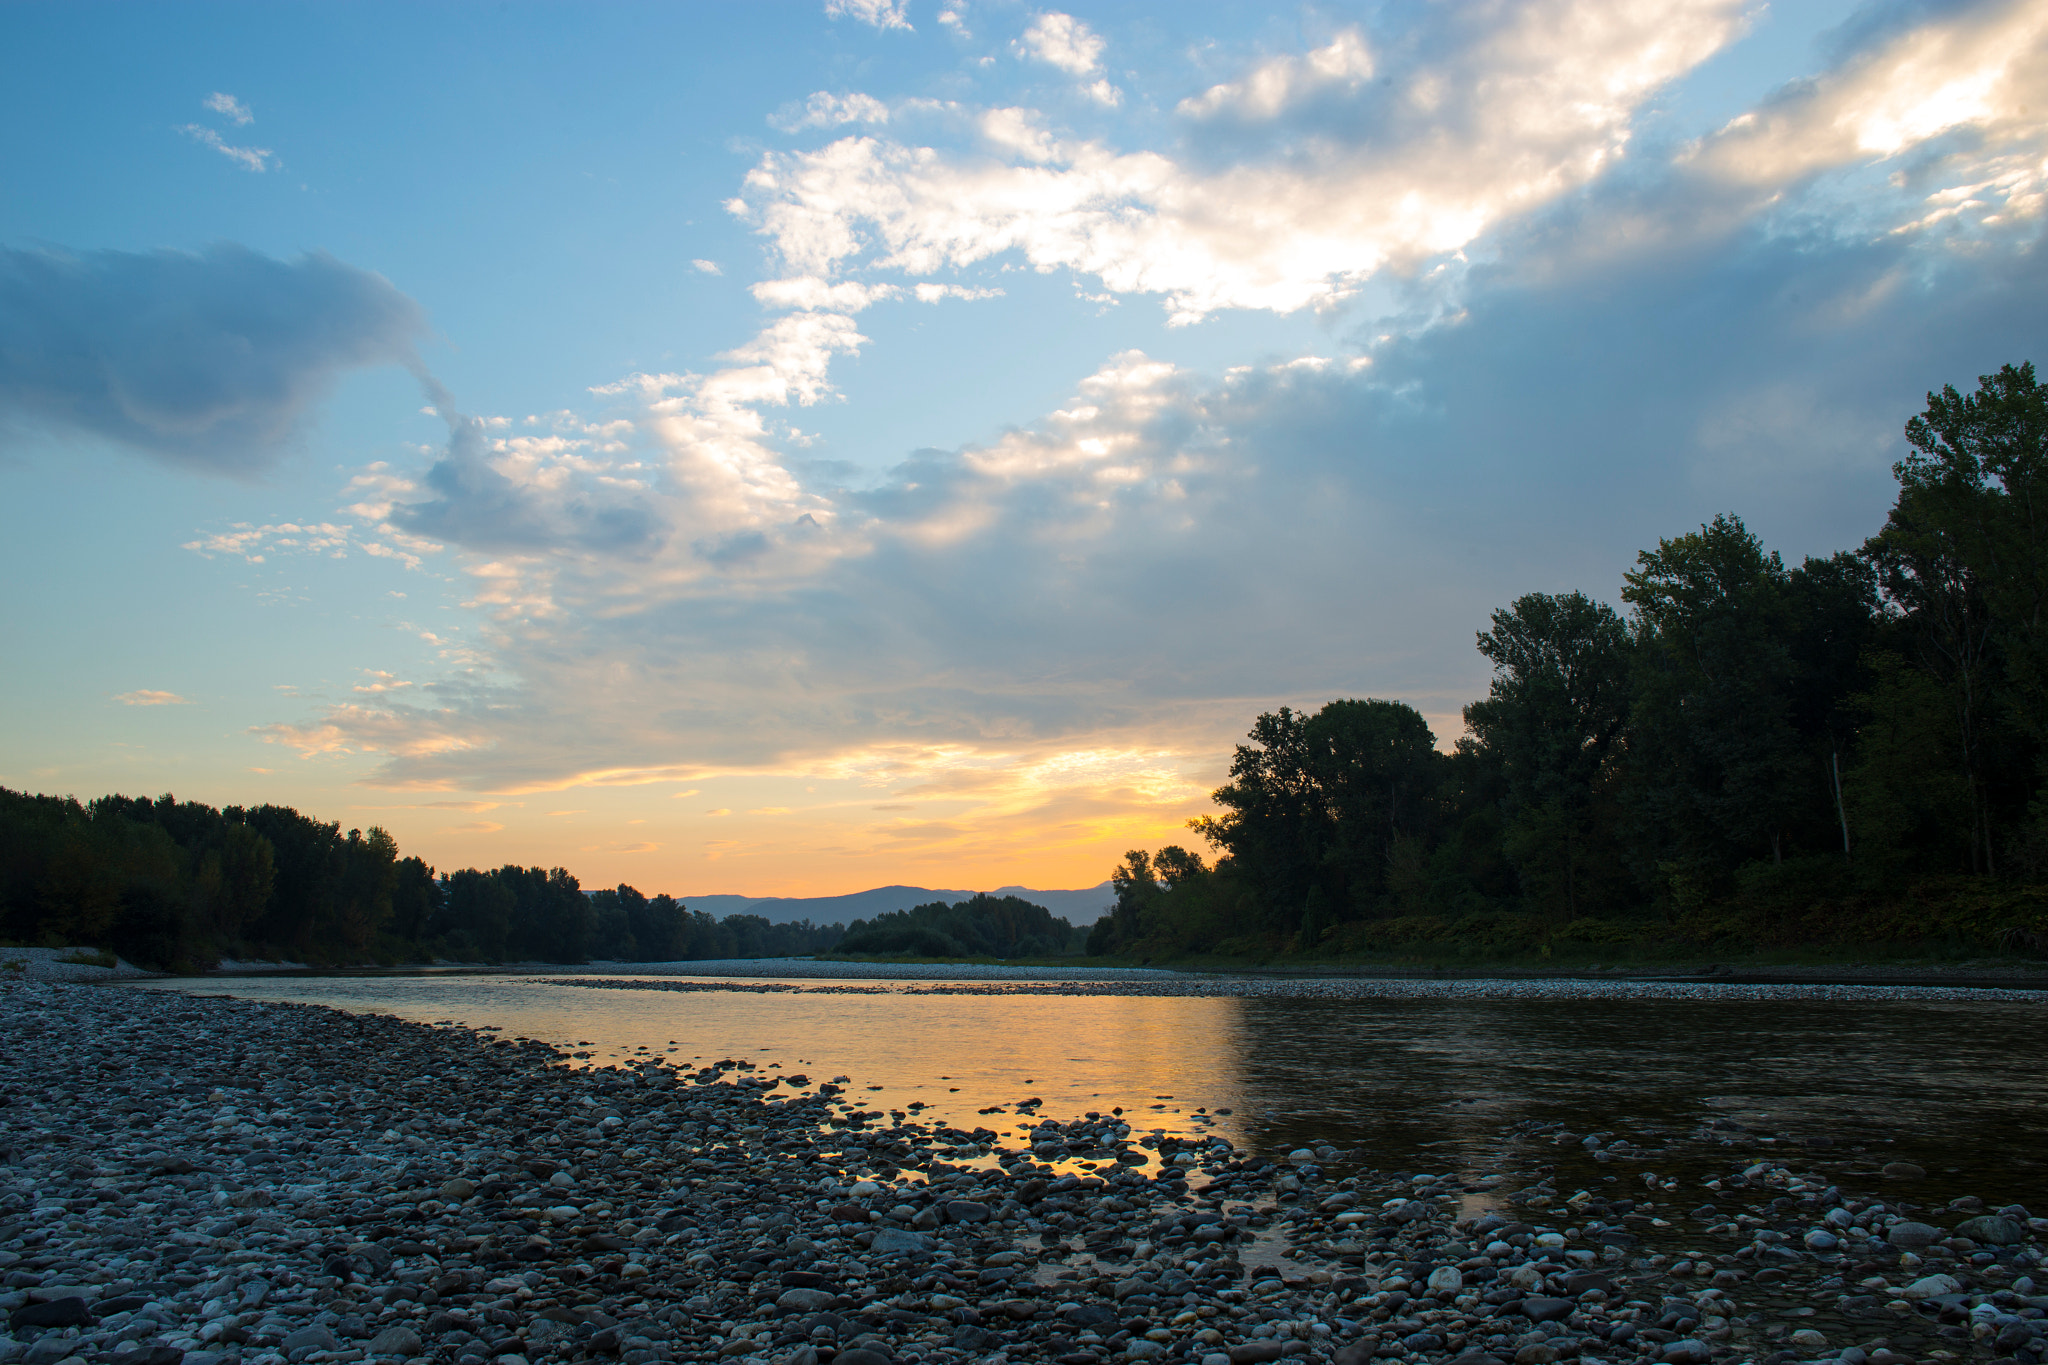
x=1553, y=720
x=1963, y=558
x=1321, y=801
x=1723, y=775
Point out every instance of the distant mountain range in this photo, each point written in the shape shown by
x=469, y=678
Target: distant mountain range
x=1077, y=907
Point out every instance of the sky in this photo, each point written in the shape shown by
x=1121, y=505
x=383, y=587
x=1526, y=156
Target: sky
x=789, y=448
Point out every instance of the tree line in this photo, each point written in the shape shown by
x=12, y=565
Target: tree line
x=169, y=883
x=1848, y=748
x=981, y=926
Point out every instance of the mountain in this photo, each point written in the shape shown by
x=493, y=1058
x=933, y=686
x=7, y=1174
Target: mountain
x=1079, y=907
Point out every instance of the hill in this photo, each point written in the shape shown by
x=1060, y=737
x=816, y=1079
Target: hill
x=1083, y=906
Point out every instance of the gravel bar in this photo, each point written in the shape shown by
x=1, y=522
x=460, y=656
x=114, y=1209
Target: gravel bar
x=802, y=967
x=201, y=1180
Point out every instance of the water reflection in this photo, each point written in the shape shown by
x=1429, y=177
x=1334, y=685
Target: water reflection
x=1417, y=1084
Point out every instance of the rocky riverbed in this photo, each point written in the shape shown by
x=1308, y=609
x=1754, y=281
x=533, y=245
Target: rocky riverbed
x=208, y=1181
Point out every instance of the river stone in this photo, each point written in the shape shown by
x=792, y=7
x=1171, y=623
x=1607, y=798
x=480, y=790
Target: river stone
x=1686, y=1351
x=65, y=1312
x=1822, y=1241
x=1141, y=1349
x=966, y=1211
x=1908, y=1234
x=395, y=1341
x=1992, y=1230
x=457, y=1190
x=1446, y=1280
x=1545, y=1309
x=805, y=1300
x=897, y=1240
x=317, y=1338
x=1903, y=1170
x=1256, y=1352
x=1536, y=1353
x=1930, y=1286
x=862, y=1355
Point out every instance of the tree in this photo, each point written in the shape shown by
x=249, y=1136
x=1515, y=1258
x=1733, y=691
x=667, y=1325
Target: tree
x=1833, y=607
x=1321, y=801
x=1963, y=558
x=1722, y=772
x=1553, y=720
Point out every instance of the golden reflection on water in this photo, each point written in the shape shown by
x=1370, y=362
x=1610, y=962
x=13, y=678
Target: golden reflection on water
x=1168, y=1063
x=1422, y=1084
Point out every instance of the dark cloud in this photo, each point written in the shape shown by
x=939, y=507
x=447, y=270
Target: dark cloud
x=205, y=359
x=478, y=508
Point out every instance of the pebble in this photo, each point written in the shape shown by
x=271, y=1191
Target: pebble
x=207, y=1181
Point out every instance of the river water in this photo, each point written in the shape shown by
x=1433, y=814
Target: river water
x=1958, y=1087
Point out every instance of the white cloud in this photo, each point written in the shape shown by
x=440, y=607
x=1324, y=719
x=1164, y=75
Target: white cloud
x=1063, y=41
x=883, y=14
x=826, y=110
x=231, y=108
x=954, y=17
x=704, y=267
x=256, y=544
x=1509, y=118
x=1972, y=85
x=258, y=159
x=933, y=293
x=1103, y=93
x=150, y=697
x=1274, y=86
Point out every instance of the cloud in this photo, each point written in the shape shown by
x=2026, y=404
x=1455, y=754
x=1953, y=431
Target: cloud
x=1968, y=86
x=1058, y=629
x=1489, y=118
x=882, y=14
x=208, y=360
x=257, y=159
x=1063, y=41
x=706, y=267
x=1287, y=82
x=148, y=697
x=231, y=108
x=475, y=827
x=826, y=110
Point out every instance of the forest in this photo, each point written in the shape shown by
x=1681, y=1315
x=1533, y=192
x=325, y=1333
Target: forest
x=1843, y=753
x=178, y=884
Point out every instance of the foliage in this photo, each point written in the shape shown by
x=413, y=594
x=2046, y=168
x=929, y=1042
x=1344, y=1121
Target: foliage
x=982, y=926
x=1845, y=752
x=169, y=883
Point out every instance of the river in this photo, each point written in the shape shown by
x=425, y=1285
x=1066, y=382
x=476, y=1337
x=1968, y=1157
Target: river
x=1467, y=1085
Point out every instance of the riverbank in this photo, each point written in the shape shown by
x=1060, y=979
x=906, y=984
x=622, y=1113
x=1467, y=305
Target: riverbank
x=210, y=1181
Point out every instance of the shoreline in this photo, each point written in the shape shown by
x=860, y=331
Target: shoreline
x=66, y=964
x=218, y=1181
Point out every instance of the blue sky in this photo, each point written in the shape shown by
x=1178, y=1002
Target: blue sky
x=791, y=448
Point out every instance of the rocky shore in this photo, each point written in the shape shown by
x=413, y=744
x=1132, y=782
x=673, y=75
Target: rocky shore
x=208, y=1181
